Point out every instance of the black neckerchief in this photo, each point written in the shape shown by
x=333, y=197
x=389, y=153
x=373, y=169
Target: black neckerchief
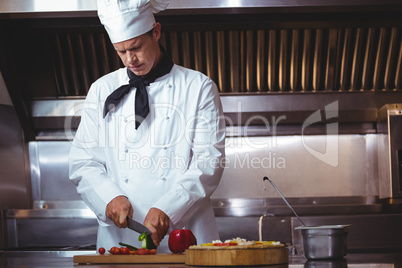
x=141, y=96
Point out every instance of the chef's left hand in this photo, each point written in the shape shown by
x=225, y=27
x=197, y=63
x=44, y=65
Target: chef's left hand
x=158, y=223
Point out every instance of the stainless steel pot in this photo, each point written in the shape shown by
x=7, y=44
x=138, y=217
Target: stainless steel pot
x=320, y=242
x=325, y=242
x=336, y=263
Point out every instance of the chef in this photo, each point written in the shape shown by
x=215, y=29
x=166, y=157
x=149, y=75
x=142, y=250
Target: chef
x=151, y=140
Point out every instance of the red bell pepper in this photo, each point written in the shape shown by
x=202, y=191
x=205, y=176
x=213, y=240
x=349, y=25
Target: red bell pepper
x=181, y=239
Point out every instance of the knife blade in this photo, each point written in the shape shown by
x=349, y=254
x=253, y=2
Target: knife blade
x=136, y=226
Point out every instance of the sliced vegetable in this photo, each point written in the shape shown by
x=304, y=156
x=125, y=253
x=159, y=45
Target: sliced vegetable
x=144, y=251
x=128, y=251
x=132, y=248
x=225, y=244
x=146, y=241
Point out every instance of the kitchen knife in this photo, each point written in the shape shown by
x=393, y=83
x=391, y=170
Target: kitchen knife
x=136, y=226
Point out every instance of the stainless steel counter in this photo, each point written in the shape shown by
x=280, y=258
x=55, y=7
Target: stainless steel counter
x=45, y=259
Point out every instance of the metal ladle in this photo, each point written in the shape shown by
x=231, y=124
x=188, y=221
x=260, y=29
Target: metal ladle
x=284, y=199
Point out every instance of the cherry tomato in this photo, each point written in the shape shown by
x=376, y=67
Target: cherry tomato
x=101, y=251
x=140, y=251
x=115, y=251
x=153, y=251
x=125, y=250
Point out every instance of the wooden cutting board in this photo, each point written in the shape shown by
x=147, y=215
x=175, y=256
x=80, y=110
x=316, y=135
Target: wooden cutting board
x=237, y=257
x=109, y=258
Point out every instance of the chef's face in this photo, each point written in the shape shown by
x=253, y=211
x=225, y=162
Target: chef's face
x=142, y=53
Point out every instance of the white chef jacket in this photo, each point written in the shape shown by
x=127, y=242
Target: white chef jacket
x=173, y=161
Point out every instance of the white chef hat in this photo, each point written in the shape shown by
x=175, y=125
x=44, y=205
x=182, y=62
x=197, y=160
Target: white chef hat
x=126, y=19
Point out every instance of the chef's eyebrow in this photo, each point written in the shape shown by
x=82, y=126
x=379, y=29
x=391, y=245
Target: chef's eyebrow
x=136, y=46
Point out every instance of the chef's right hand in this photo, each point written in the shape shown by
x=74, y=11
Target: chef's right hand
x=118, y=209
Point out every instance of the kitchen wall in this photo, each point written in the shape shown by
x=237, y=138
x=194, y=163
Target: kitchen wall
x=287, y=160
x=300, y=166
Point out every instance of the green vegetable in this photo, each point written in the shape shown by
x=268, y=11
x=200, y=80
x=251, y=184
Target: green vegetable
x=128, y=246
x=146, y=241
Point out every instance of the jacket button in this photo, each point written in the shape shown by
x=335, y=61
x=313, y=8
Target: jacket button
x=165, y=148
x=126, y=150
x=167, y=117
x=163, y=178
